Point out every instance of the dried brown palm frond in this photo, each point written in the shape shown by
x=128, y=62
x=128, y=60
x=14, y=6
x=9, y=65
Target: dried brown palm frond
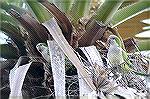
x=35, y=30
x=61, y=19
x=94, y=31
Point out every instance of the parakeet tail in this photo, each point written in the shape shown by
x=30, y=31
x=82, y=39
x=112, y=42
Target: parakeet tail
x=141, y=74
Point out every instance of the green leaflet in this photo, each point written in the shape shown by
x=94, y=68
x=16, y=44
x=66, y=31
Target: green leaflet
x=130, y=11
x=7, y=51
x=79, y=9
x=7, y=18
x=106, y=10
x=15, y=34
x=63, y=5
x=40, y=11
x=143, y=44
x=7, y=7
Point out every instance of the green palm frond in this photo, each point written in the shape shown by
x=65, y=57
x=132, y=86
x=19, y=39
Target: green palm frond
x=8, y=51
x=63, y=5
x=41, y=13
x=7, y=7
x=7, y=18
x=107, y=10
x=143, y=44
x=15, y=34
x=79, y=9
x=130, y=11
x=18, y=3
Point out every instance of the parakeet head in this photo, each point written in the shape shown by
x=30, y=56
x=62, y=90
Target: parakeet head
x=41, y=47
x=112, y=40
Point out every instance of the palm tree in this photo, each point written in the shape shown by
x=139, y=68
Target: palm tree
x=83, y=23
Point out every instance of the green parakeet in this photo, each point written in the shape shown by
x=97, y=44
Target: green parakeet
x=117, y=56
x=43, y=49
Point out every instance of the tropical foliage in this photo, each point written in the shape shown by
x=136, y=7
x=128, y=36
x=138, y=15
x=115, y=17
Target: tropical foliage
x=82, y=22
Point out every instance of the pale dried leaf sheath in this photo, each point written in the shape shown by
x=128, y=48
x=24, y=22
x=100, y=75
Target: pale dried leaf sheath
x=16, y=79
x=57, y=58
x=93, y=55
x=61, y=19
x=56, y=33
x=84, y=89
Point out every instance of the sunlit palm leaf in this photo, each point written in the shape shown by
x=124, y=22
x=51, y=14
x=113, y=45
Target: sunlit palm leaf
x=79, y=9
x=127, y=3
x=130, y=11
x=63, y=5
x=41, y=13
x=106, y=10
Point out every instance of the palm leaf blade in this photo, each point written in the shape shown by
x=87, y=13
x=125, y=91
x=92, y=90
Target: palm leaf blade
x=8, y=18
x=106, y=10
x=8, y=51
x=63, y=5
x=62, y=20
x=79, y=9
x=130, y=11
x=15, y=34
x=41, y=13
x=7, y=7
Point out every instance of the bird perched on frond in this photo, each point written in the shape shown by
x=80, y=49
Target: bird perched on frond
x=43, y=49
x=118, y=57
